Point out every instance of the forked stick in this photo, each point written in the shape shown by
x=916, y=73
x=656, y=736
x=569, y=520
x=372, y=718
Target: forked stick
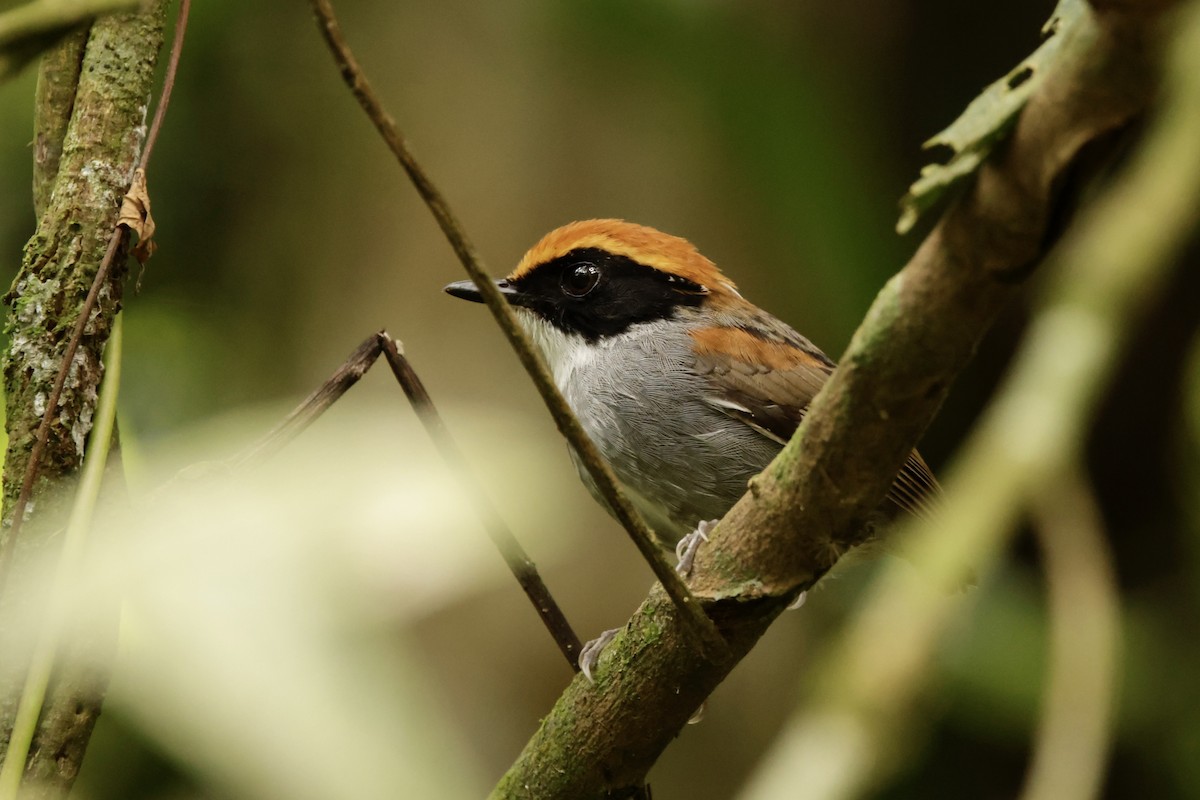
x=348, y=374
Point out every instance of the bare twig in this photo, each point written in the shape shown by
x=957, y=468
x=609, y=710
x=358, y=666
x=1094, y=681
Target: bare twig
x=1074, y=733
x=690, y=610
x=85, y=313
x=522, y=567
x=313, y=406
x=181, y=21
x=348, y=374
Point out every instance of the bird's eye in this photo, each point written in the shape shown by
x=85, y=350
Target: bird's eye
x=580, y=279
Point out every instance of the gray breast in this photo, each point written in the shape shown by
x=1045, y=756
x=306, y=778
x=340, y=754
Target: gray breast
x=681, y=459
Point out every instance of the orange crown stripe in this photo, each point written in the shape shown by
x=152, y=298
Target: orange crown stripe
x=652, y=248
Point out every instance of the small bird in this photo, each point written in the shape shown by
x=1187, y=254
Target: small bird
x=687, y=389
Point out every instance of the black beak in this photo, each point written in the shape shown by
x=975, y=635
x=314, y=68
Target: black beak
x=466, y=290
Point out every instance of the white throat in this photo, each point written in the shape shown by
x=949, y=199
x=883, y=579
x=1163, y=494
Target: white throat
x=564, y=352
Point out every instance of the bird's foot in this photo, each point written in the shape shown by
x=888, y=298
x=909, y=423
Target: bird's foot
x=799, y=601
x=686, y=549
x=589, y=654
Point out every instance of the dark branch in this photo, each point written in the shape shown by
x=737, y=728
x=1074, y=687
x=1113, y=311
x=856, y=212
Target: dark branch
x=518, y=561
x=313, y=406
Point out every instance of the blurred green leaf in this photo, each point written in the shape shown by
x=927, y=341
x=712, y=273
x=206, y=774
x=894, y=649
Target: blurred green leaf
x=987, y=120
x=28, y=30
x=266, y=630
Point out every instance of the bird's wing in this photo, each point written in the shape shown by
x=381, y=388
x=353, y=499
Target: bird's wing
x=770, y=391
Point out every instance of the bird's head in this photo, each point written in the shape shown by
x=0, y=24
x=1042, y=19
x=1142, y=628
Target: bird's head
x=597, y=278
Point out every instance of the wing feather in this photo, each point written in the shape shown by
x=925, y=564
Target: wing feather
x=771, y=398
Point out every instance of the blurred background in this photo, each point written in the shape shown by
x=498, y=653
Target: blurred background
x=778, y=137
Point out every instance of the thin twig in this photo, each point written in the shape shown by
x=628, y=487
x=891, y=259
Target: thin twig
x=522, y=567
x=697, y=622
x=348, y=374
x=1075, y=732
x=89, y=304
x=313, y=406
x=181, y=21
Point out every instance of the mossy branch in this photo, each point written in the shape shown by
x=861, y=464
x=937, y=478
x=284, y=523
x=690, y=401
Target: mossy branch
x=99, y=149
x=54, y=100
x=809, y=505
x=1023, y=455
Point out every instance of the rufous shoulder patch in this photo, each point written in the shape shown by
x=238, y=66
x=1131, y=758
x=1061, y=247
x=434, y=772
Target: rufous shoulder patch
x=743, y=345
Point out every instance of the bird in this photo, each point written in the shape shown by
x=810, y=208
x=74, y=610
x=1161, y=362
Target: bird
x=687, y=389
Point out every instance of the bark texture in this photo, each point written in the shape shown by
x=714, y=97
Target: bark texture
x=91, y=123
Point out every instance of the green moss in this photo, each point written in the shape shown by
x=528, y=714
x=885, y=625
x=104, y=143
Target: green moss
x=99, y=149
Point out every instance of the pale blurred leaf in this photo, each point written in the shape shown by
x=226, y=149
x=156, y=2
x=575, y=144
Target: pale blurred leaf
x=263, y=640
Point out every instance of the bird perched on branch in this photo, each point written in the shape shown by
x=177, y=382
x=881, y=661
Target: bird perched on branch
x=687, y=388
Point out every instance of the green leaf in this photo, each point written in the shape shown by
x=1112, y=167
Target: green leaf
x=29, y=30
x=988, y=119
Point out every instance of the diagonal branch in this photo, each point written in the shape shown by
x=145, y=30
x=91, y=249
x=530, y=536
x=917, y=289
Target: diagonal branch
x=1109, y=267
x=514, y=555
x=808, y=506
x=693, y=615
x=316, y=404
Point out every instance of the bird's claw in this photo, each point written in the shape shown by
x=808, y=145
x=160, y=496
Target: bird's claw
x=686, y=549
x=589, y=654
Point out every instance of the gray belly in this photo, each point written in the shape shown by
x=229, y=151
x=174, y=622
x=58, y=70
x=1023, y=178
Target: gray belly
x=680, y=459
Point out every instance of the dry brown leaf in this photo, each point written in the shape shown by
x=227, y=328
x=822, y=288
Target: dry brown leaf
x=135, y=215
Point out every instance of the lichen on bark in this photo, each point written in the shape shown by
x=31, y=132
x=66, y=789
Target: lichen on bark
x=87, y=144
x=98, y=154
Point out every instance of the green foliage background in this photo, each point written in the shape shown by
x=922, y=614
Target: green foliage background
x=777, y=136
